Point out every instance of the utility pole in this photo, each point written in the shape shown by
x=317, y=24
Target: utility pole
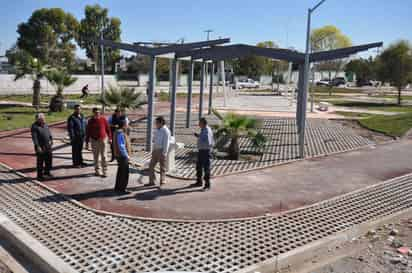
x=306, y=81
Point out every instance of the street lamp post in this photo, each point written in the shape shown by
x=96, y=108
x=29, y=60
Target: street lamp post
x=306, y=81
x=102, y=68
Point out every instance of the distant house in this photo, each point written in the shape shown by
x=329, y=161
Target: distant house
x=5, y=67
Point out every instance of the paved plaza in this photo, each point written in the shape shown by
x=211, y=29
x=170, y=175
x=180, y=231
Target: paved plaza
x=250, y=216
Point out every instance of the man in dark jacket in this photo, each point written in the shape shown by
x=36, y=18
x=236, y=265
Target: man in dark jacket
x=43, y=142
x=76, y=127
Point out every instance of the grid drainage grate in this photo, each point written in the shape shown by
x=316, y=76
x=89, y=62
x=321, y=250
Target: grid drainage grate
x=322, y=137
x=96, y=243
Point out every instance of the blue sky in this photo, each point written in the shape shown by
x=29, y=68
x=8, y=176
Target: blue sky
x=282, y=21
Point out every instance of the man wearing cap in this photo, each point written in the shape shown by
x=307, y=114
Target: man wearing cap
x=98, y=133
x=43, y=142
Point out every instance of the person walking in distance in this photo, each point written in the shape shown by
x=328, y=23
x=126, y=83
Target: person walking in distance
x=85, y=91
x=122, y=151
x=205, y=144
x=76, y=127
x=114, y=122
x=98, y=132
x=160, y=150
x=43, y=142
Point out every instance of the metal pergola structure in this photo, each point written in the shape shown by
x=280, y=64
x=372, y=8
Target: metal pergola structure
x=213, y=51
x=154, y=52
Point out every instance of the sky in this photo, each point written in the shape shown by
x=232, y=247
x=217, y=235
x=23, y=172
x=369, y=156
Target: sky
x=284, y=22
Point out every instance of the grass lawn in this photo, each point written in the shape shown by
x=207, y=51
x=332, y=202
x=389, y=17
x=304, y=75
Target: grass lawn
x=395, y=126
x=164, y=96
x=354, y=114
x=91, y=99
x=388, y=107
x=336, y=90
x=22, y=117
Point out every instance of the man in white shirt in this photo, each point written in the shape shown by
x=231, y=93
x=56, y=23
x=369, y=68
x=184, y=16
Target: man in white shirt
x=160, y=149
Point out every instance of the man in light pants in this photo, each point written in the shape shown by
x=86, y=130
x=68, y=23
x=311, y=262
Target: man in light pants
x=160, y=149
x=98, y=131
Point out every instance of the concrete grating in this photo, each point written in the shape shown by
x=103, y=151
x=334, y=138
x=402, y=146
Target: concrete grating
x=323, y=137
x=96, y=243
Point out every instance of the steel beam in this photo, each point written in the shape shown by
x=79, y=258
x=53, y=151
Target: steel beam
x=150, y=107
x=173, y=98
x=189, y=94
x=202, y=86
x=212, y=68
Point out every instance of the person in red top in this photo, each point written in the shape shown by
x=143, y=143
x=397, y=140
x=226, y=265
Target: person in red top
x=98, y=132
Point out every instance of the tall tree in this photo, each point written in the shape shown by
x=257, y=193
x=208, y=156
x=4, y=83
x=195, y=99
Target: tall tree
x=26, y=65
x=96, y=20
x=329, y=38
x=48, y=36
x=395, y=65
x=364, y=69
x=254, y=66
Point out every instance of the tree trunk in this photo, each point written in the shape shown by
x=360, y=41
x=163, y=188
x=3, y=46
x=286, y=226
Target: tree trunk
x=399, y=96
x=36, y=94
x=234, y=150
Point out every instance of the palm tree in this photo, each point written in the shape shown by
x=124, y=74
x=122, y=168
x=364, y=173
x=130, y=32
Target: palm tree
x=123, y=98
x=232, y=127
x=27, y=65
x=60, y=79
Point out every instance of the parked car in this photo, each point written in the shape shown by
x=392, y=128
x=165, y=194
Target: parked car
x=337, y=81
x=247, y=83
x=323, y=82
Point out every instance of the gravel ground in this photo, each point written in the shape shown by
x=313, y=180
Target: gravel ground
x=3, y=268
x=386, y=249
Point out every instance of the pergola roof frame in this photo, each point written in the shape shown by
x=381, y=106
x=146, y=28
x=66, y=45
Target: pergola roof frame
x=155, y=51
x=219, y=53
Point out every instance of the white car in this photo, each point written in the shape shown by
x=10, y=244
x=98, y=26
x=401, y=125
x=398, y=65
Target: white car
x=249, y=83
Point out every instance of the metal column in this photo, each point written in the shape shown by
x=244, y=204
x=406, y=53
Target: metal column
x=150, y=107
x=299, y=99
x=189, y=94
x=223, y=75
x=202, y=86
x=173, y=98
x=212, y=68
x=102, y=71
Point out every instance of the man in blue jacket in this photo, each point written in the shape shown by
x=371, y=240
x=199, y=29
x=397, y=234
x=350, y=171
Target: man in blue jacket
x=76, y=127
x=122, y=151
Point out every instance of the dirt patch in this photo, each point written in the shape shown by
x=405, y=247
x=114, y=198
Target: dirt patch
x=364, y=132
x=386, y=249
x=4, y=268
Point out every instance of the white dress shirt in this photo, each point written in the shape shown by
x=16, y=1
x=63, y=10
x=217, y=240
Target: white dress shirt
x=162, y=140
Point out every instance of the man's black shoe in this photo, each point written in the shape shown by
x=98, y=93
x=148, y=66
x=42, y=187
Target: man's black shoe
x=40, y=178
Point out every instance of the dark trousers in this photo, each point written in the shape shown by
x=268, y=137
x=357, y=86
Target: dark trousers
x=77, y=148
x=203, y=166
x=44, y=163
x=122, y=177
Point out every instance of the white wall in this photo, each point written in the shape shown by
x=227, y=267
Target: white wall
x=24, y=85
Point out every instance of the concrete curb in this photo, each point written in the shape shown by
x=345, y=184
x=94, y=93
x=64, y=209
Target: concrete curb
x=39, y=255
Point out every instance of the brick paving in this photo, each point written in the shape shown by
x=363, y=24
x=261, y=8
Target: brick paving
x=322, y=137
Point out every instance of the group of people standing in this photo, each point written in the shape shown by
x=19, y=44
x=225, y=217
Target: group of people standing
x=100, y=132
